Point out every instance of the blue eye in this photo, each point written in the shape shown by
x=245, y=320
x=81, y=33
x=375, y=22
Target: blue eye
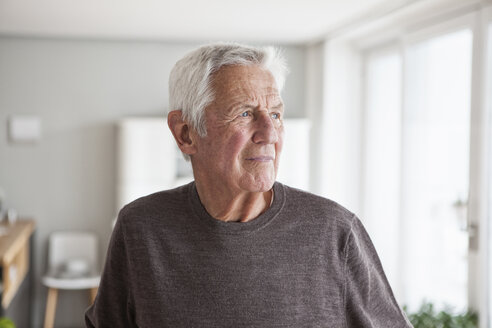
x=275, y=116
x=245, y=114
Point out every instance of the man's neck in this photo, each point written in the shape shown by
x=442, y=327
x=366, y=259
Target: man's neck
x=227, y=206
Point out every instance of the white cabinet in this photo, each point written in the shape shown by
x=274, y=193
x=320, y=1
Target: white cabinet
x=147, y=159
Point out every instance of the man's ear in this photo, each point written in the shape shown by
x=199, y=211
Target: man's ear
x=182, y=132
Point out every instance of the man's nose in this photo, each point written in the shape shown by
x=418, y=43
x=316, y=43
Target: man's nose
x=265, y=129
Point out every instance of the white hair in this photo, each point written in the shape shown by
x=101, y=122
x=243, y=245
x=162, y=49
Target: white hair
x=190, y=87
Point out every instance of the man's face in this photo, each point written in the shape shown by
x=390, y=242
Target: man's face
x=244, y=131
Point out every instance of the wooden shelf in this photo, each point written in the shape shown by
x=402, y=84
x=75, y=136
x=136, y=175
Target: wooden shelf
x=14, y=257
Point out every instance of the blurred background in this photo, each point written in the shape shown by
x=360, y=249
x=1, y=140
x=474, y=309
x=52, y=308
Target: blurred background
x=388, y=112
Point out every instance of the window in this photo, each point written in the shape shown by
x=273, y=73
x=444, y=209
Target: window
x=416, y=163
x=436, y=120
x=425, y=148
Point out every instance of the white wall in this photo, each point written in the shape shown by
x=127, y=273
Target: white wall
x=79, y=89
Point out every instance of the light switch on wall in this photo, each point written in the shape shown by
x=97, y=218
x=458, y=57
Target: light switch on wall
x=24, y=128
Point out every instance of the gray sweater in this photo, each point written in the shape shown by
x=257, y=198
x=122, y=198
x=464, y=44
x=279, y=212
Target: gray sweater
x=305, y=262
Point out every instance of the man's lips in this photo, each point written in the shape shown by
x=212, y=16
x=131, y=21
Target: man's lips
x=262, y=158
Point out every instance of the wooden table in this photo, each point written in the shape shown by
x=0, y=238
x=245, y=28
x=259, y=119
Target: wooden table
x=15, y=262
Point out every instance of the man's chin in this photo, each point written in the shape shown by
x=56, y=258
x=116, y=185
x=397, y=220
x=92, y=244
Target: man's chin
x=258, y=185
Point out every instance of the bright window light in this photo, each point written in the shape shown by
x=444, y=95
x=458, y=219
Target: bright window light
x=382, y=158
x=416, y=166
x=435, y=165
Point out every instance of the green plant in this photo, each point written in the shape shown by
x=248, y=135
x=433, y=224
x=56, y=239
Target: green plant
x=428, y=317
x=6, y=323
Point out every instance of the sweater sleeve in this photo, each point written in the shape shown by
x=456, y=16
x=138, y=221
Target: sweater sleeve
x=369, y=299
x=113, y=306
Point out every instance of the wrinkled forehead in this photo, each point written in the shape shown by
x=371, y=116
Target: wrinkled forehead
x=244, y=84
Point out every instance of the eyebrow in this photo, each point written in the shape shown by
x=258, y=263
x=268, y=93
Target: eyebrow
x=249, y=106
x=280, y=105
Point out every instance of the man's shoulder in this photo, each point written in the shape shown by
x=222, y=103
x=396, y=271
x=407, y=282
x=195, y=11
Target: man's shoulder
x=155, y=204
x=317, y=207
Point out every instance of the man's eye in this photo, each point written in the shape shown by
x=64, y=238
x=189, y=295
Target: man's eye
x=244, y=114
x=275, y=116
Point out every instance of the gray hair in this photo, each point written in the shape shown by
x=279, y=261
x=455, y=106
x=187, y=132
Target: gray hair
x=190, y=88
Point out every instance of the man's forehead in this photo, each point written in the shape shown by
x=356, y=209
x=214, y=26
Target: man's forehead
x=250, y=81
x=236, y=75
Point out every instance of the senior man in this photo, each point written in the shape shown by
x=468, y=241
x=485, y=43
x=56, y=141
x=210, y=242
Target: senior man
x=234, y=248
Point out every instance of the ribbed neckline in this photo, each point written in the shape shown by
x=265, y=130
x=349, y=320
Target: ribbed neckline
x=222, y=227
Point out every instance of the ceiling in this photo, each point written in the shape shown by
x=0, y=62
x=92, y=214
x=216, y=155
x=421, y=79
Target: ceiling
x=277, y=21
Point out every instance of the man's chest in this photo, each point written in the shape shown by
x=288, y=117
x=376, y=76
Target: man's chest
x=212, y=283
